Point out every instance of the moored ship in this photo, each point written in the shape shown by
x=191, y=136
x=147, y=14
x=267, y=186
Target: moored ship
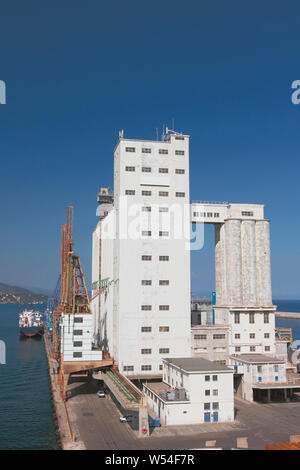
x=30, y=323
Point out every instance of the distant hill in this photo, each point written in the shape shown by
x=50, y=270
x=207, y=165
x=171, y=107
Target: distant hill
x=15, y=295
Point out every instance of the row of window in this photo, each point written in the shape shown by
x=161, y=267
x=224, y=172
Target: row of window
x=149, y=150
x=247, y=213
x=206, y=214
x=148, y=233
x=251, y=348
x=149, y=209
x=148, y=329
x=251, y=317
x=162, y=282
x=251, y=335
x=215, y=406
x=149, y=258
x=143, y=367
x=161, y=351
x=216, y=336
x=148, y=169
x=161, y=307
x=131, y=192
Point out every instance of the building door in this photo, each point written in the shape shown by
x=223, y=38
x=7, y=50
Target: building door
x=216, y=416
x=207, y=417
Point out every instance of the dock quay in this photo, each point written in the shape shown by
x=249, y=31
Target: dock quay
x=295, y=315
x=64, y=426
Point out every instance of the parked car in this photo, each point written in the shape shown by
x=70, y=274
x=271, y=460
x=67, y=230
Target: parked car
x=101, y=394
x=126, y=419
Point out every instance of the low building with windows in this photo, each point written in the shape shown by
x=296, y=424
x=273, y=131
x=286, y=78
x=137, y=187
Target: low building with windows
x=210, y=342
x=76, y=338
x=193, y=391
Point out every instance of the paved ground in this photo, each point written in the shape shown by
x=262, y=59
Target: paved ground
x=96, y=422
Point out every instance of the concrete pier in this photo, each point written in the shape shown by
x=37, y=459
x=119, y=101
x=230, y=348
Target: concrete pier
x=295, y=315
x=64, y=426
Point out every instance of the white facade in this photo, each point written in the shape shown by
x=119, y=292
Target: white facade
x=207, y=395
x=147, y=310
x=76, y=338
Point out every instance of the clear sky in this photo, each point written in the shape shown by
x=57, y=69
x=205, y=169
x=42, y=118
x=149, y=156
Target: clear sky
x=77, y=72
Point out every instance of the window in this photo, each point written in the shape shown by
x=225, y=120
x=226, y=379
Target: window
x=146, y=209
x=207, y=393
x=236, y=317
x=78, y=320
x=160, y=367
x=77, y=332
x=196, y=214
x=163, y=170
x=179, y=152
x=207, y=406
x=146, y=367
x=146, y=150
x=267, y=348
x=146, y=193
x=128, y=368
x=215, y=378
x=207, y=378
x=130, y=192
x=164, y=350
x=146, y=169
x=179, y=137
x=237, y=336
x=215, y=405
x=163, y=234
x=237, y=349
x=179, y=171
x=164, y=283
x=251, y=317
x=215, y=392
x=146, y=329
x=247, y=213
x=259, y=369
x=77, y=354
x=163, y=193
x=146, y=351
x=146, y=283
x=146, y=258
x=276, y=368
x=209, y=214
x=267, y=335
x=146, y=233
x=164, y=258
x=146, y=307
x=163, y=151
x=179, y=194
x=164, y=329
x=130, y=149
x=252, y=348
x=266, y=318
x=77, y=344
x=163, y=209
x=252, y=335
x=200, y=336
x=129, y=168
x=164, y=307
x=216, y=214
x=219, y=336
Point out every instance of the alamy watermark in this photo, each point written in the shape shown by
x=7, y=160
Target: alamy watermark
x=295, y=97
x=143, y=221
x=2, y=92
x=2, y=352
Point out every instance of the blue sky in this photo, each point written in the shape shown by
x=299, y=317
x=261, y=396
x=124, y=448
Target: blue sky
x=77, y=72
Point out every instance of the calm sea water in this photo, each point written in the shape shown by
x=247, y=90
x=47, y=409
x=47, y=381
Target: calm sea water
x=26, y=413
x=289, y=306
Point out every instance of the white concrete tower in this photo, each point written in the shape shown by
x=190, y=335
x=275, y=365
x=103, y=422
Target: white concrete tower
x=147, y=308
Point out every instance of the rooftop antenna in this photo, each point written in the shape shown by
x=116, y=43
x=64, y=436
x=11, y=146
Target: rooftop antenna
x=121, y=134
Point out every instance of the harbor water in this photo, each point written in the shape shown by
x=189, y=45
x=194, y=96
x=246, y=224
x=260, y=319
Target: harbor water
x=27, y=419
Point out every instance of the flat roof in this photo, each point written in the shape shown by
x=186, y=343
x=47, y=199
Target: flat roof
x=257, y=358
x=197, y=364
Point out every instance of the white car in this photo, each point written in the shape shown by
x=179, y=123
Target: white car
x=101, y=394
x=126, y=419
